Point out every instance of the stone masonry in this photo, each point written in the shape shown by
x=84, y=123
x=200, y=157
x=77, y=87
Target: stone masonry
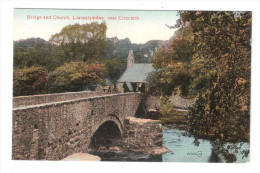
x=53, y=131
x=142, y=135
x=49, y=98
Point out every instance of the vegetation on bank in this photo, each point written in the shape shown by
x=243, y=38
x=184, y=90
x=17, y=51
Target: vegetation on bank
x=170, y=115
x=75, y=44
x=209, y=61
x=73, y=60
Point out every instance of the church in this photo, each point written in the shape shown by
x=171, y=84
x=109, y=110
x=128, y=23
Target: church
x=134, y=78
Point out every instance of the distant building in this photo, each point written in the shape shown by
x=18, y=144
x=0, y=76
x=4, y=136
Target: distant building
x=130, y=59
x=108, y=86
x=133, y=79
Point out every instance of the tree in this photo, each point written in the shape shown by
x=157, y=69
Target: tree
x=81, y=42
x=37, y=52
x=115, y=68
x=123, y=48
x=222, y=41
x=29, y=80
x=174, y=63
x=217, y=70
x=75, y=76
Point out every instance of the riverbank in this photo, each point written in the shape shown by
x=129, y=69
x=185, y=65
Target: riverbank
x=177, y=116
x=181, y=148
x=174, y=111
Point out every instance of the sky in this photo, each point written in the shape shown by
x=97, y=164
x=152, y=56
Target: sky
x=149, y=26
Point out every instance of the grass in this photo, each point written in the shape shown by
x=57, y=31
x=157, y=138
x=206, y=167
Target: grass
x=174, y=117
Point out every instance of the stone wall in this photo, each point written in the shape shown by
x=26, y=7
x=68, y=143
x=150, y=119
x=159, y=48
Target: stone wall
x=48, y=98
x=152, y=102
x=53, y=131
x=121, y=87
x=142, y=135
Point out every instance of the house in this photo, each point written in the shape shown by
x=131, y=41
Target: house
x=134, y=78
x=108, y=86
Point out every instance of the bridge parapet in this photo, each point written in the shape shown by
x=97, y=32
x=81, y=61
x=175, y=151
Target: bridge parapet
x=52, y=131
x=49, y=98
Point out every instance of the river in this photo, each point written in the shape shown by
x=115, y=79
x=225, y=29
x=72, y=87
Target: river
x=182, y=148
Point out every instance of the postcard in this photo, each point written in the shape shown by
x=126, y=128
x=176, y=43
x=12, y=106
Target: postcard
x=131, y=85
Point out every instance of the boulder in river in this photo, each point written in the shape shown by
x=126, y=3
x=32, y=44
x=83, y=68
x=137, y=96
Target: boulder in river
x=115, y=149
x=159, y=150
x=82, y=157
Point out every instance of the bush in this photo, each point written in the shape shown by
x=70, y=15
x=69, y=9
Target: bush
x=168, y=114
x=28, y=81
x=75, y=76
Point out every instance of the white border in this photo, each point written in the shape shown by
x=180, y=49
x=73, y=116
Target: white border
x=7, y=165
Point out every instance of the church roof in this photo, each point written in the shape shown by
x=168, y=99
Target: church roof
x=136, y=73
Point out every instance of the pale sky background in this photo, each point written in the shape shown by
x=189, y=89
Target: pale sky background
x=150, y=26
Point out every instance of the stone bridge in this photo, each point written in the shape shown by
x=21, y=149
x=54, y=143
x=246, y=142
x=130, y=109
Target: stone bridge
x=53, y=126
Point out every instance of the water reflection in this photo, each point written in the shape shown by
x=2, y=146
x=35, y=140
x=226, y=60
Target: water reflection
x=127, y=156
x=214, y=157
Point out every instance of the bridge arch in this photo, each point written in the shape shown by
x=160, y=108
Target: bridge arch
x=108, y=132
x=65, y=123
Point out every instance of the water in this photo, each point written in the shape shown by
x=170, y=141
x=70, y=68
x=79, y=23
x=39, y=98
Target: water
x=127, y=156
x=181, y=149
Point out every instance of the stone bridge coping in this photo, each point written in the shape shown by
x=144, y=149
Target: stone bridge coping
x=53, y=94
x=70, y=101
x=140, y=120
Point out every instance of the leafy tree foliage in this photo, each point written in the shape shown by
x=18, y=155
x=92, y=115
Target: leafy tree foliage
x=173, y=64
x=223, y=43
x=32, y=52
x=168, y=114
x=156, y=83
x=119, y=49
x=75, y=76
x=124, y=46
x=209, y=60
x=82, y=42
x=28, y=81
x=115, y=68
